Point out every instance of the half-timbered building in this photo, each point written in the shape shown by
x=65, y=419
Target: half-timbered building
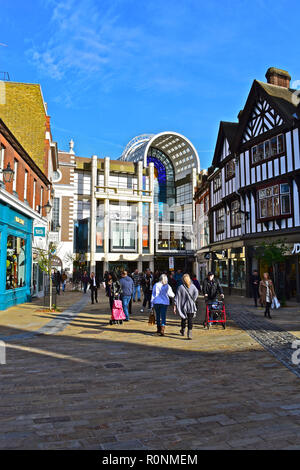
x=255, y=184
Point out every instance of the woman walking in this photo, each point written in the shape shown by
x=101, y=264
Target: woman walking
x=113, y=289
x=185, y=304
x=267, y=293
x=160, y=300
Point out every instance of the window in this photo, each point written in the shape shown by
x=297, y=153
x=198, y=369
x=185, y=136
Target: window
x=184, y=194
x=55, y=214
x=15, y=176
x=33, y=195
x=123, y=236
x=274, y=201
x=25, y=185
x=2, y=151
x=230, y=169
x=220, y=220
x=217, y=182
x=235, y=214
x=15, y=262
x=268, y=149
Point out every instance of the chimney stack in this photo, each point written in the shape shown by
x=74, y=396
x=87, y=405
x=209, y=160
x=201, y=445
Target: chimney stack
x=278, y=77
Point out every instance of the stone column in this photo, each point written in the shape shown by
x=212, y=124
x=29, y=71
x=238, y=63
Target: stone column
x=151, y=211
x=140, y=211
x=106, y=213
x=93, y=214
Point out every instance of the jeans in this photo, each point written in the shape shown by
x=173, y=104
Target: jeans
x=161, y=312
x=147, y=298
x=85, y=284
x=137, y=289
x=125, y=302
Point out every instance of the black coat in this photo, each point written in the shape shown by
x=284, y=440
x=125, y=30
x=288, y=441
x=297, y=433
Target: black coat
x=211, y=288
x=92, y=283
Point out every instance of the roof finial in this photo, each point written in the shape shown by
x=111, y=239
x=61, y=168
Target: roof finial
x=71, y=145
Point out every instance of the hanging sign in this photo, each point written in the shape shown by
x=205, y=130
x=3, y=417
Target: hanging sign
x=296, y=249
x=171, y=262
x=39, y=231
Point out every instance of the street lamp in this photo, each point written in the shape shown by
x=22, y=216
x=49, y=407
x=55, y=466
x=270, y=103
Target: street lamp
x=47, y=207
x=8, y=174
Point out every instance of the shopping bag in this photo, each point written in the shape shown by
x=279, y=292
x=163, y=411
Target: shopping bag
x=117, y=311
x=275, y=303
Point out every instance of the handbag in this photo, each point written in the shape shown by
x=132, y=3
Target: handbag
x=152, y=318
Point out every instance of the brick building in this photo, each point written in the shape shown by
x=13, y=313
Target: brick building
x=23, y=221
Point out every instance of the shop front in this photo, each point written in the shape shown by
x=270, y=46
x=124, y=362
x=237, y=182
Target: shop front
x=15, y=257
x=229, y=266
x=287, y=273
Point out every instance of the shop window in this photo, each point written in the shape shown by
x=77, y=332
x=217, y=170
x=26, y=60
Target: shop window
x=15, y=262
x=267, y=149
x=221, y=272
x=274, y=201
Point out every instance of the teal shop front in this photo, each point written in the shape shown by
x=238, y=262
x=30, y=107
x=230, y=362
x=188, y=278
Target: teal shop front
x=15, y=257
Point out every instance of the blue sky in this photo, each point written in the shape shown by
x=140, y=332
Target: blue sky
x=114, y=69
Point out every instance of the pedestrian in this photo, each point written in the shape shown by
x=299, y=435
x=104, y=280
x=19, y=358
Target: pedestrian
x=94, y=286
x=137, y=279
x=113, y=289
x=64, y=278
x=211, y=287
x=196, y=282
x=178, y=278
x=147, y=289
x=85, y=281
x=127, y=290
x=254, y=285
x=57, y=281
x=185, y=304
x=267, y=293
x=160, y=300
x=173, y=284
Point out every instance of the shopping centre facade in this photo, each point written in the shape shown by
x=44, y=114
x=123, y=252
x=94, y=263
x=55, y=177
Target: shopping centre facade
x=134, y=212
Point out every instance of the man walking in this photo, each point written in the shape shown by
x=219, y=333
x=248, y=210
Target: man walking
x=147, y=288
x=94, y=286
x=85, y=281
x=137, y=279
x=127, y=286
x=254, y=284
x=211, y=287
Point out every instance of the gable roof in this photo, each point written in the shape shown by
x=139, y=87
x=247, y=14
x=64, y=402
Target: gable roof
x=227, y=130
x=280, y=98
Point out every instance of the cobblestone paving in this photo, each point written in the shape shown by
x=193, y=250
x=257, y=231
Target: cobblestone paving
x=271, y=336
x=97, y=386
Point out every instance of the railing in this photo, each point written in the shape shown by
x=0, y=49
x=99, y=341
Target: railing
x=120, y=190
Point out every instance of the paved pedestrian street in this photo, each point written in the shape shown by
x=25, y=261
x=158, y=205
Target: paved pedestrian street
x=73, y=381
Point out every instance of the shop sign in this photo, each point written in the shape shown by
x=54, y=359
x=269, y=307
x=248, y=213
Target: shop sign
x=171, y=262
x=296, y=249
x=39, y=231
x=207, y=256
x=20, y=221
x=53, y=237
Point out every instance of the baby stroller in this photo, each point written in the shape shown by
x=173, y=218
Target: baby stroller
x=215, y=313
x=117, y=313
